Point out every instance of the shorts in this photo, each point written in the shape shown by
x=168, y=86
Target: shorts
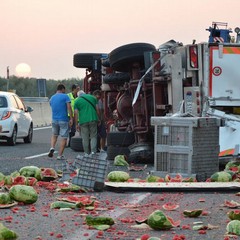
x=102, y=132
x=60, y=128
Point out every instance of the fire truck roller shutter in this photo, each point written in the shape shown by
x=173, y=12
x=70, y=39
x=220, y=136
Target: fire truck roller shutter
x=122, y=58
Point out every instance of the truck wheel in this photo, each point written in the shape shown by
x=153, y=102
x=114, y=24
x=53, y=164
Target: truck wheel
x=120, y=138
x=141, y=153
x=76, y=144
x=113, y=151
x=88, y=60
x=116, y=78
x=122, y=58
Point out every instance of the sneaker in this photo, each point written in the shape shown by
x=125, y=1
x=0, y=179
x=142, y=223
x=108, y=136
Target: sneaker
x=102, y=151
x=85, y=155
x=61, y=158
x=51, y=151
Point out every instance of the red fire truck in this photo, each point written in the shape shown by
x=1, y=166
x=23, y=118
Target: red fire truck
x=140, y=81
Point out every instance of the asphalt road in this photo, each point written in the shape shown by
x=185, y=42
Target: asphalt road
x=38, y=221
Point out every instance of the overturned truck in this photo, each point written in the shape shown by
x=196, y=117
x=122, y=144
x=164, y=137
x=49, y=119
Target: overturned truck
x=140, y=81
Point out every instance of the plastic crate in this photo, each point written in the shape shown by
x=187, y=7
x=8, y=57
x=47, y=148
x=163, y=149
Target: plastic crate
x=186, y=145
x=91, y=171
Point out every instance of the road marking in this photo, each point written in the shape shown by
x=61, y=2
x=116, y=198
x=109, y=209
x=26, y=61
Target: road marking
x=41, y=128
x=38, y=155
x=137, y=198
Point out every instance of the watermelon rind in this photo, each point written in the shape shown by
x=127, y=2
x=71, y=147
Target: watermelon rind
x=159, y=221
x=222, y=176
x=118, y=176
x=233, y=227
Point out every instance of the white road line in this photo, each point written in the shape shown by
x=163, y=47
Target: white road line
x=35, y=129
x=38, y=155
x=137, y=198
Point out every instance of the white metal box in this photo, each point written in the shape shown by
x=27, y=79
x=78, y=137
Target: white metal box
x=186, y=145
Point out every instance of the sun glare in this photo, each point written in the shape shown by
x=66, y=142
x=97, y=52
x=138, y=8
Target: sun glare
x=23, y=70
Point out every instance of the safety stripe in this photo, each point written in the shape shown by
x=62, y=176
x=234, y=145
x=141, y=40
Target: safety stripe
x=226, y=152
x=231, y=50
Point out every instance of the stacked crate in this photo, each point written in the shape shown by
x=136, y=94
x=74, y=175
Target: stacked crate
x=186, y=145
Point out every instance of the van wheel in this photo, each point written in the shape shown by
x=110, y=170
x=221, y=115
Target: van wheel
x=13, y=139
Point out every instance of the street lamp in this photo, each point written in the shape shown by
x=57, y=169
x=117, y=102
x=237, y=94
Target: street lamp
x=7, y=78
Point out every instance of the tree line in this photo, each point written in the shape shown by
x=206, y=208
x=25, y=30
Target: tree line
x=28, y=87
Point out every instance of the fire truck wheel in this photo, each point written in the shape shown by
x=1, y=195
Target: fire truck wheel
x=122, y=58
x=87, y=60
x=113, y=151
x=120, y=138
x=76, y=144
x=116, y=78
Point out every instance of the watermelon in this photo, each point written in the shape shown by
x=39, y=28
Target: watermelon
x=31, y=181
x=159, y=221
x=2, y=176
x=221, y=177
x=233, y=227
x=22, y=193
x=8, y=180
x=6, y=233
x=152, y=178
x=234, y=214
x=4, y=198
x=69, y=188
x=19, y=180
x=118, y=176
x=63, y=204
x=98, y=220
x=15, y=174
x=192, y=213
x=233, y=166
x=120, y=160
x=31, y=171
x=170, y=206
x=48, y=174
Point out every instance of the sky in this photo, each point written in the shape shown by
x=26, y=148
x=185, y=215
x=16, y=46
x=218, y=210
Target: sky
x=45, y=34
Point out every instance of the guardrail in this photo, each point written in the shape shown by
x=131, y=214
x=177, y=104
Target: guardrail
x=35, y=99
x=42, y=114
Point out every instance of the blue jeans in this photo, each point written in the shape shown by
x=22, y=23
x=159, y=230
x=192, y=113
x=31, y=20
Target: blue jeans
x=89, y=134
x=60, y=128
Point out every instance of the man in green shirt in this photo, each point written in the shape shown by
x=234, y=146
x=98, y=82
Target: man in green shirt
x=86, y=113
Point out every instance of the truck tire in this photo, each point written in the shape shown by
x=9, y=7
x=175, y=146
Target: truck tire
x=88, y=60
x=113, y=151
x=122, y=58
x=116, y=78
x=76, y=144
x=120, y=138
x=105, y=62
x=141, y=153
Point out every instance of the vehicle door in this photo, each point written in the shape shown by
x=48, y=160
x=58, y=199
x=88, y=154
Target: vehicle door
x=23, y=120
